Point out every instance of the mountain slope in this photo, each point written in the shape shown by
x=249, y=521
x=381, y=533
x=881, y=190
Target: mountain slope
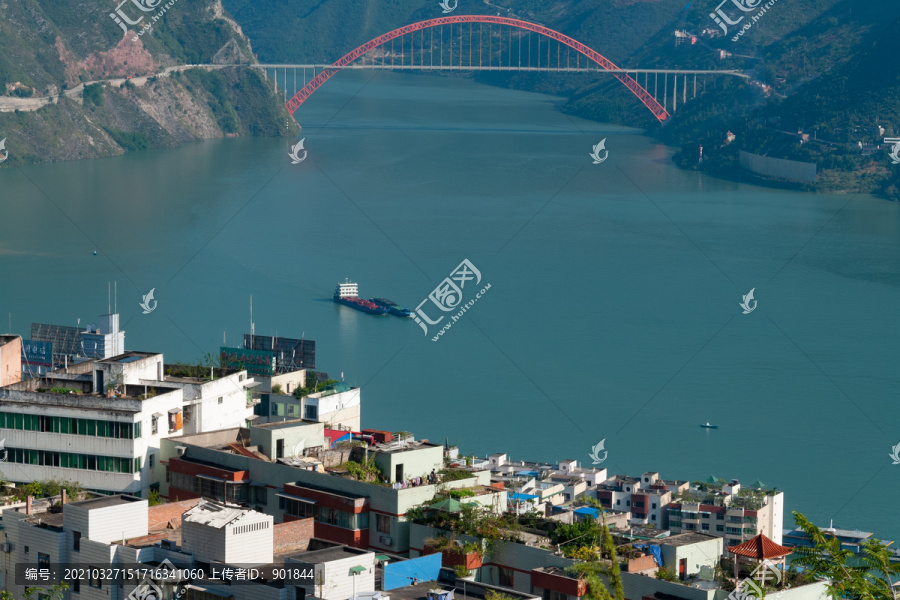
x=49, y=48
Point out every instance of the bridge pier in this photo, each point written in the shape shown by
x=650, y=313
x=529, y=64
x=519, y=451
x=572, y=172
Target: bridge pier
x=675, y=92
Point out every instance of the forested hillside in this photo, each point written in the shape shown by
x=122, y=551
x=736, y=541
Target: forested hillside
x=50, y=48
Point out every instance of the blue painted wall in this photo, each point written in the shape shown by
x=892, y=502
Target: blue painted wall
x=401, y=574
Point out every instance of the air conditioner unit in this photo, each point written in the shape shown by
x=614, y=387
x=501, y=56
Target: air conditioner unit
x=5, y=547
x=180, y=450
x=386, y=540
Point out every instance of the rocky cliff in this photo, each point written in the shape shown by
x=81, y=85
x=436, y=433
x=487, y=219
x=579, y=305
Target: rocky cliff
x=86, y=80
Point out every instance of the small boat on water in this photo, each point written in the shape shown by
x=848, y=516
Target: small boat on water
x=708, y=426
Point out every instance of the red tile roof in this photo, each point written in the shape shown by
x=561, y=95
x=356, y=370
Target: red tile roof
x=168, y=515
x=760, y=548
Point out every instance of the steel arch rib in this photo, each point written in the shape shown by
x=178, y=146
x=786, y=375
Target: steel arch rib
x=649, y=101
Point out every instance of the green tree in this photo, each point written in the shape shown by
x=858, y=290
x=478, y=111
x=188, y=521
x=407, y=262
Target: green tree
x=153, y=498
x=665, y=574
x=871, y=580
x=593, y=572
x=55, y=593
x=93, y=94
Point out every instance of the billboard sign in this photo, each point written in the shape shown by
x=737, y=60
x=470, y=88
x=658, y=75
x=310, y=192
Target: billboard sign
x=37, y=355
x=256, y=362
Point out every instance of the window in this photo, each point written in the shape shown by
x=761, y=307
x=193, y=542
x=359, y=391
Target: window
x=382, y=523
x=43, y=560
x=259, y=495
x=618, y=502
x=94, y=578
x=76, y=541
x=506, y=577
x=720, y=528
x=628, y=503
x=152, y=460
x=296, y=508
x=137, y=430
x=312, y=413
x=76, y=586
x=653, y=505
x=26, y=549
x=154, y=425
x=220, y=399
x=167, y=474
x=720, y=517
x=705, y=526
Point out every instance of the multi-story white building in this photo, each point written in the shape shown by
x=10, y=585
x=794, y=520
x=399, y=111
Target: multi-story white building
x=645, y=496
x=729, y=512
x=337, y=405
x=100, y=422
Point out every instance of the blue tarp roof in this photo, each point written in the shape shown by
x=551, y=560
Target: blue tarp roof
x=522, y=497
x=585, y=510
x=653, y=550
x=529, y=473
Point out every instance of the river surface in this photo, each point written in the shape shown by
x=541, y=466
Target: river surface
x=613, y=310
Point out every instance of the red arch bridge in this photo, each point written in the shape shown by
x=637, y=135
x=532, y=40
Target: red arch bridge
x=482, y=42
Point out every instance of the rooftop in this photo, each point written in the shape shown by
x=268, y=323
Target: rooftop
x=686, y=539
x=284, y=423
x=844, y=533
x=419, y=591
x=329, y=554
x=405, y=446
x=214, y=514
x=106, y=501
x=126, y=357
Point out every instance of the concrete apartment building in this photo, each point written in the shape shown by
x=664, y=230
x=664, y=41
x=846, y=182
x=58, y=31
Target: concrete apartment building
x=730, y=512
x=645, y=496
x=347, y=511
x=122, y=531
x=10, y=359
x=337, y=405
x=100, y=422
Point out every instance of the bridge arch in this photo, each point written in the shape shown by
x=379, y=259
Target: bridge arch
x=649, y=101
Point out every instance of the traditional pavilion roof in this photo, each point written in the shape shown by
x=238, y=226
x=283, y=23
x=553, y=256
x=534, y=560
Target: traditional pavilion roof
x=760, y=548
